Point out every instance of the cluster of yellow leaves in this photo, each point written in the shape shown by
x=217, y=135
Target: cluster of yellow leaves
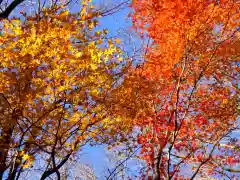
x=59, y=70
x=27, y=159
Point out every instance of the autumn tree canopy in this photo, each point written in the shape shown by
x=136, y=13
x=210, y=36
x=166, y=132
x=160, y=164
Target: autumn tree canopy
x=193, y=62
x=65, y=83
x=56, y=70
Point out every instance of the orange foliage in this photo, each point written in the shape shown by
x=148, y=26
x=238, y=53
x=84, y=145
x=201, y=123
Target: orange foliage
x=194, y=62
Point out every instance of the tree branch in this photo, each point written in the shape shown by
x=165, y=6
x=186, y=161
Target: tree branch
x=9, y=9
x=51, y=171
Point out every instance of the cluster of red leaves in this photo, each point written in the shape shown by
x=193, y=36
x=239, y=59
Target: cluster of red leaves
x=193, y=60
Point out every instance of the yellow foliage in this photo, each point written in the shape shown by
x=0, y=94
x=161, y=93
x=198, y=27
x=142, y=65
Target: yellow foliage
x=60, y=75
x=25, y=157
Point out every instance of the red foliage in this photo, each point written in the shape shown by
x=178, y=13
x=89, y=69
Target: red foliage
x=193, y=61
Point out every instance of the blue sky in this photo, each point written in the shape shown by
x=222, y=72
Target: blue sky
x=116, y=24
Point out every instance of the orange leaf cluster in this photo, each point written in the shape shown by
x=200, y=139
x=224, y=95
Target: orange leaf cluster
x=194, y=62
